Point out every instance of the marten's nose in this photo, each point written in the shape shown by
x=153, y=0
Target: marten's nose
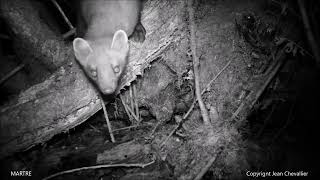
x=108, y=91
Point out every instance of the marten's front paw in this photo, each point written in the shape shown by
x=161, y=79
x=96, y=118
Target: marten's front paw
x=139, y=33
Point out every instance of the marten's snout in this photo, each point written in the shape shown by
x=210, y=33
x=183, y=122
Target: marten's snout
x=107, y=84
x=108, y=89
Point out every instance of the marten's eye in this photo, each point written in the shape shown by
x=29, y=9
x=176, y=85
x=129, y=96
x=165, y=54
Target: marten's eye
x=116, y=69
x=93, y=71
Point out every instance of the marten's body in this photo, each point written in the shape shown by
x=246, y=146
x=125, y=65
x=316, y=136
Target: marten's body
x=102, y=49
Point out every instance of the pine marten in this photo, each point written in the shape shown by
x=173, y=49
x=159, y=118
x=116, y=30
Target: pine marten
x=102, y=47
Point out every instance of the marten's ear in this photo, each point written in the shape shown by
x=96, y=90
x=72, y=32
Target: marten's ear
x=120, y=41
x=81, y=49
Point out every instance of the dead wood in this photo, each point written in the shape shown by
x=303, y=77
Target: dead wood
x=127, y=151
x=67, y=98
x=107, y=119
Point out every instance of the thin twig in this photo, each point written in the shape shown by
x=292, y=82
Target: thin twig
x=11, y=73
x=196, y=64
x=131, y=98
x=155, y=128
x=130, y=127
x=63, y=14
x=125, y=128
x=98, y=167
x=239, y=109
x=136, y=102
x=107, y=119
x=212, y=80
x=171, y=133
x=69, y=33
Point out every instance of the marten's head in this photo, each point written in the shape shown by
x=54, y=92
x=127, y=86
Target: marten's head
x=103, y=63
